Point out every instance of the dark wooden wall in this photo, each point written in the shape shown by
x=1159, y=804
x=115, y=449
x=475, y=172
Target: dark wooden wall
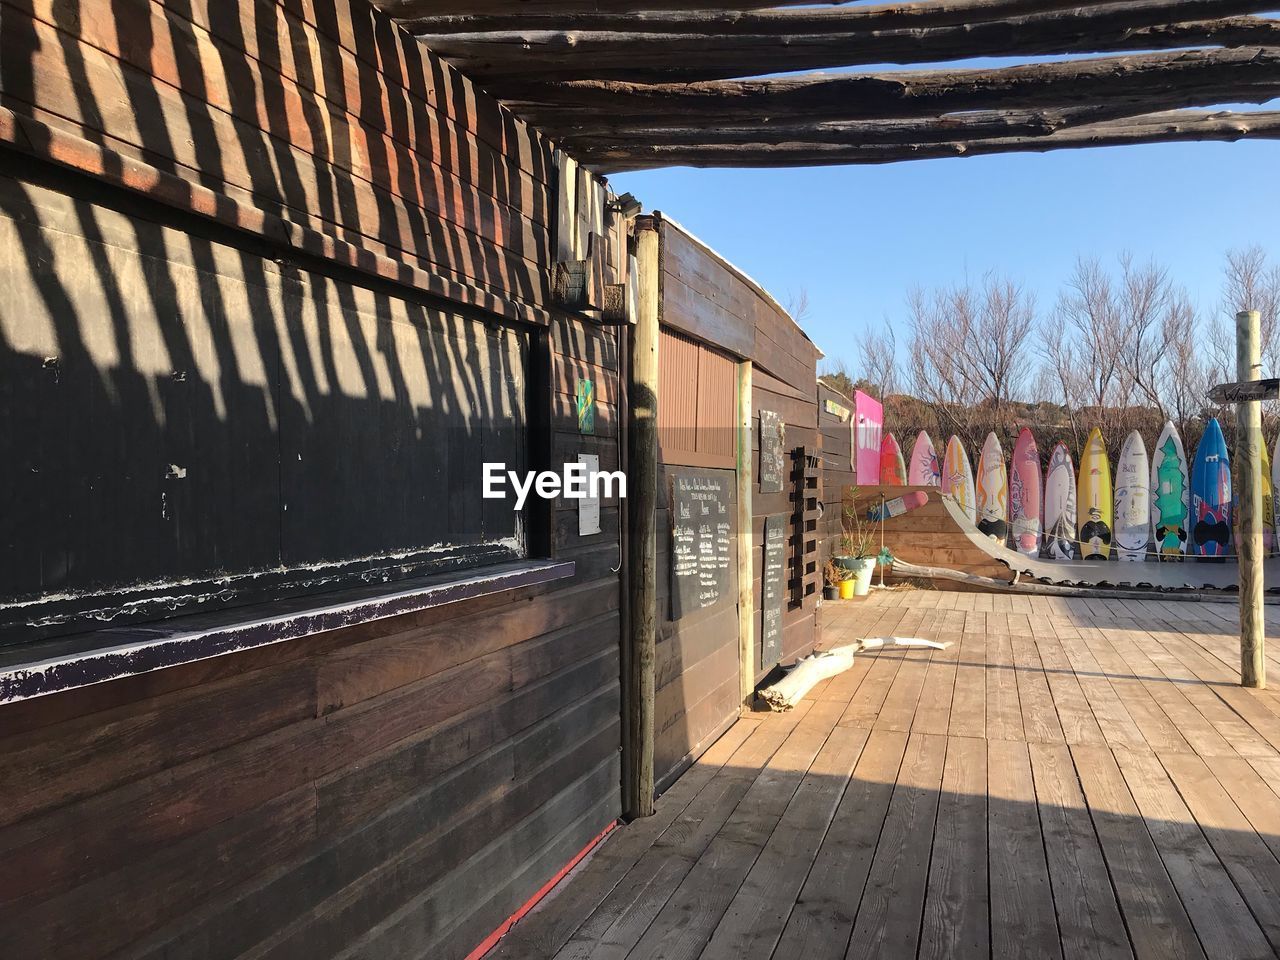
x=397, y=788
x=837, y=468
x=706, y=298
x=696, y=664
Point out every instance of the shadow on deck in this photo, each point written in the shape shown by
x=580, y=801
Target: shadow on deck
x=1068, y=779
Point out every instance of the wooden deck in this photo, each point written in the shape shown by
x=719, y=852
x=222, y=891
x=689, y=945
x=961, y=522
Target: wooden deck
x=1070, y=778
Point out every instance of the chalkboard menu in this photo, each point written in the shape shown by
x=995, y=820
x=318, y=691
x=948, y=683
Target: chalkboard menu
x=772, y=439
x=701, y=537
x=772, y=585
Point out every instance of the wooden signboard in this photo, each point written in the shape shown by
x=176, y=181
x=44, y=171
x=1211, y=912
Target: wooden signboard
x=772, y=585
x=701, y=540
x=772, y=439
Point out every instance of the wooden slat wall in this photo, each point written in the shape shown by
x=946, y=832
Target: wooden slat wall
x=706, y=298
x=393, y=789
x=318, y=111
x=837, y=470
x=696, y=672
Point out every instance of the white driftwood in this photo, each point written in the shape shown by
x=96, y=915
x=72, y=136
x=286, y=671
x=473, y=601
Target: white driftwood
x=807, y=672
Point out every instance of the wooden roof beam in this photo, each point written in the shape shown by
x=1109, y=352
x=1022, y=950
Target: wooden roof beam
x=748, y=16
x=504, y=62
x=976, y=125
x=1157, y=81
x=1154, y=128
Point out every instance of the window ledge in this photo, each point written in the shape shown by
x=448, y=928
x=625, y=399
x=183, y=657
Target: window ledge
x=66, y=663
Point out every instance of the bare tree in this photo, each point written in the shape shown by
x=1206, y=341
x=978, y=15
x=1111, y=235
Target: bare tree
x=1253, y=284
x=878, y=361
x=968, y=353
x=798, y=305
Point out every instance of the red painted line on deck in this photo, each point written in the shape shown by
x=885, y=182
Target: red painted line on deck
x=492, y=939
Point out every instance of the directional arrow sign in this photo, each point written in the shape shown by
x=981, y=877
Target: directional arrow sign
x=1244, y=392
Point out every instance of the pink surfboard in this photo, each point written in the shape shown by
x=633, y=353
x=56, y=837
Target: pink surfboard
x=1025, y=500
x=892, y=469
x=924, y=469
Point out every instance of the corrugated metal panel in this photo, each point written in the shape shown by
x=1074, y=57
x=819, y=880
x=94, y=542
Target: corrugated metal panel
x=677, y=396
x=717, y=405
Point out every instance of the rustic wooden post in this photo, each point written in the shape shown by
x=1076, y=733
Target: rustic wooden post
x=642, y=502
x=746, y=551
x=1249, y=502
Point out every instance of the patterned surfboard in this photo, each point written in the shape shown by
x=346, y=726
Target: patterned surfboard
x=1024, y=494
x=1211, y=495
x=924, y=469
x=1060, y=504
x=1093, y=500
x=1133, y=499
x=957, y=478
x=993, y=490
x=1170, y=495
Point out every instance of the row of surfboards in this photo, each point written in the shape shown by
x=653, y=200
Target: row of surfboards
x=1156, y=506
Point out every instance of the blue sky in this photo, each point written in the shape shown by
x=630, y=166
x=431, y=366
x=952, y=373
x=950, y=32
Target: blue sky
x=858, y=238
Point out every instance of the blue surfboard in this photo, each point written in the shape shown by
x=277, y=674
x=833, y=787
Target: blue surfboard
x=1211, y=495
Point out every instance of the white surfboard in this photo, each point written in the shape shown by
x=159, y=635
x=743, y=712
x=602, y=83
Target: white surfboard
x=1060, y=505
x=1133, y=499
x=1170, y=495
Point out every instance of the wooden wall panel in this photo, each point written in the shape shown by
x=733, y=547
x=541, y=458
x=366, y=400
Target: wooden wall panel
x=799, y=633
x=837, y=469
x=399, y=787
x=696, y=658
x=381, y=146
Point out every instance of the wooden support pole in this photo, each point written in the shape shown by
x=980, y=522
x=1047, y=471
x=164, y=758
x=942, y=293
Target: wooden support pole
x=642, y=503
x=746, y=544
x=1249, y=502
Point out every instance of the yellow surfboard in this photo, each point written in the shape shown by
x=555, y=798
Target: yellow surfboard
x=1093, y=501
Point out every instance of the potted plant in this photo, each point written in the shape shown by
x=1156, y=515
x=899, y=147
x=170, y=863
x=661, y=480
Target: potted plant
x=835, y=576
x=858, y=555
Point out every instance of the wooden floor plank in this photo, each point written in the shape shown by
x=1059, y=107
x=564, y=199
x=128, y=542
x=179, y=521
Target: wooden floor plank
x=969, y=702
x=1040, y=723
x=1245, y=855
x=1004, y=709
x=888, y=921
x=755, y=918
x=822, y=918
x=1222, y=920
x=1157, y=921
x=955, y=925
x=1023, y=922
x=545, y=930
x=1088, y=913
x=686, y=920
x=620, y=919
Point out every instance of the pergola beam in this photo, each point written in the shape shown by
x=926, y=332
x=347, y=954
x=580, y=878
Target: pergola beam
x=506, y=60
x=656, y=57
x=1149, y=82
x=1158, y=128
x=975, y=125
x=756, y=16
